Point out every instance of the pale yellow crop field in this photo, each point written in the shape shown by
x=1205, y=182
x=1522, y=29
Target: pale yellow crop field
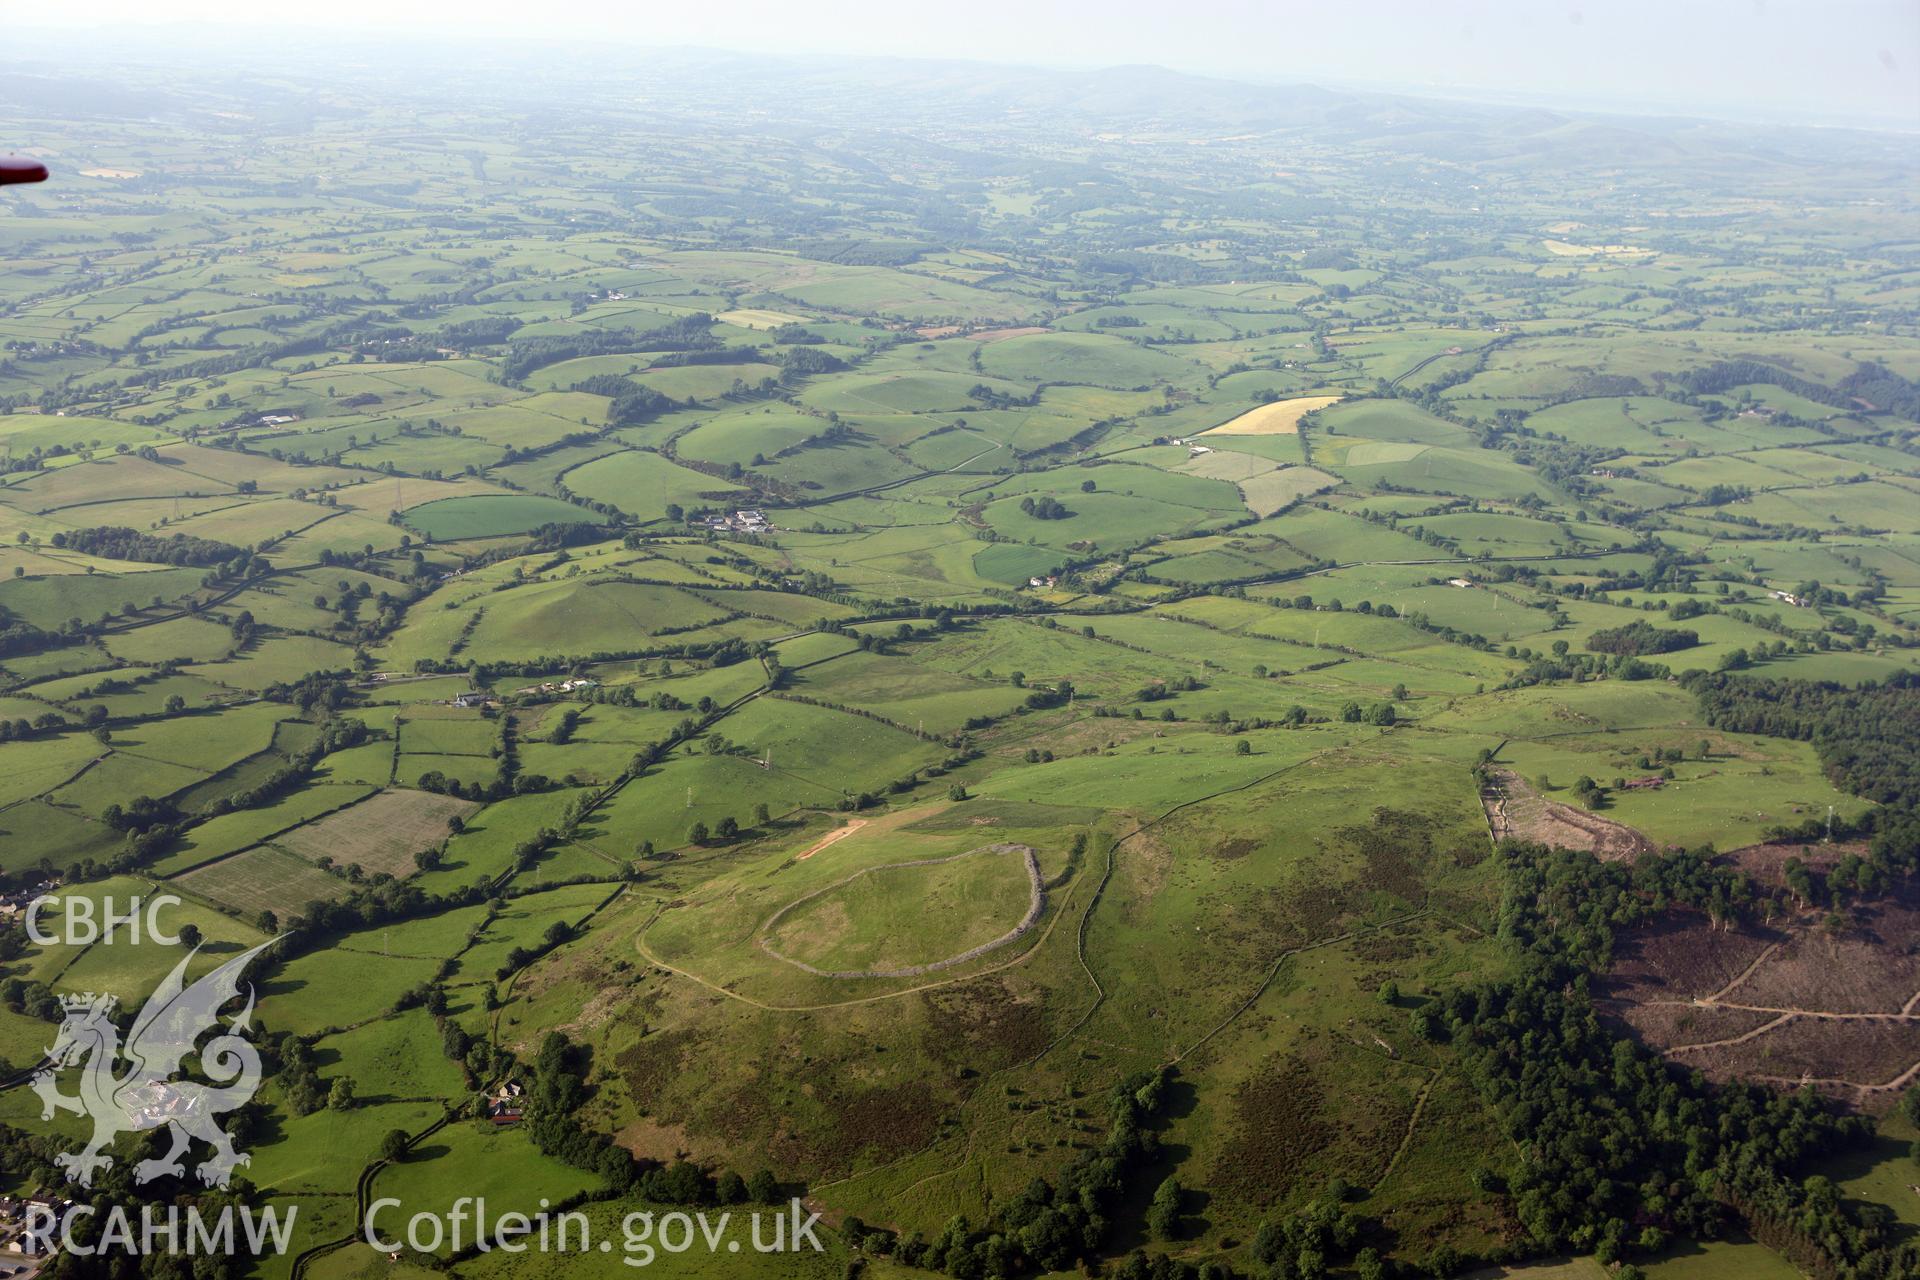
x=755, y=318
x=1281, y=418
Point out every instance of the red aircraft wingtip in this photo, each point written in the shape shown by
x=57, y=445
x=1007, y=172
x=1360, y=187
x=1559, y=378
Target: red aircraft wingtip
x=20, y=169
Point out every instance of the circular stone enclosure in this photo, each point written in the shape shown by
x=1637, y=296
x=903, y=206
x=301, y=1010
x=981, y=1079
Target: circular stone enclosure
x=904, y=919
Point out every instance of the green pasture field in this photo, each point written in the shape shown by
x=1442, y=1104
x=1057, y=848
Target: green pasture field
x=398, y=1058
x=133, y=971
x=49, y=601
x=209, y=741
x=1388, y=420
x=794, y=609
x=21, y=434
x=905, y=692
x=663, y=805
x=149, y=697
x=121, y=776
x=128, y=968
x=466, y=735
x=100, y=485
x=474, y=1158
x=369, y=763
x=1323, y=534
x=487, y=517
x=484, y=850
x=1228, y=558
x=642, y=484
x=29, y=769
x=523, y=922
x=1108, y=521
x=585, y=616
x=192, y=639
x=1013, y=564
x=37, y=832
x=1471, y=473
x=335, y=986
x=412, y=768
x=1085, y=359
x=276, y=660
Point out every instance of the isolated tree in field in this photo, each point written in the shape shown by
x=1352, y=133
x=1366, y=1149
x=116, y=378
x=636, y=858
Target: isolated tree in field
x=956, y=792
x=727, y=829
x=1163, y=1215
x=394, y=1145
x=697, y=833
x=1243, y=748
x=340, y=1096
x=190, y=935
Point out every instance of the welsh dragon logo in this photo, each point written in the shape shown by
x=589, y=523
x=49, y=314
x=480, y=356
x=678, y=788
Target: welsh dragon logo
x=145, y=1096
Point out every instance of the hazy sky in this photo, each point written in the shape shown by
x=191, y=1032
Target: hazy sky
x=1817, y=60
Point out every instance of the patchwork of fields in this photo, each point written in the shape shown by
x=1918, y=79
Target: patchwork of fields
x=873, y=680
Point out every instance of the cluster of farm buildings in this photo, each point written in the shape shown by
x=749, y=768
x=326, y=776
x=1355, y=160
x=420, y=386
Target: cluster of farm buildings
x=738, y=522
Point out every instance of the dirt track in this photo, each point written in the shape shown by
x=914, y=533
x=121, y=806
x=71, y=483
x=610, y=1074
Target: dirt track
x=838, y=833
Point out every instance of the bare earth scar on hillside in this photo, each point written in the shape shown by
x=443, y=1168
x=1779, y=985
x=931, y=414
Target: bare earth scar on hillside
x=1516, y=811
